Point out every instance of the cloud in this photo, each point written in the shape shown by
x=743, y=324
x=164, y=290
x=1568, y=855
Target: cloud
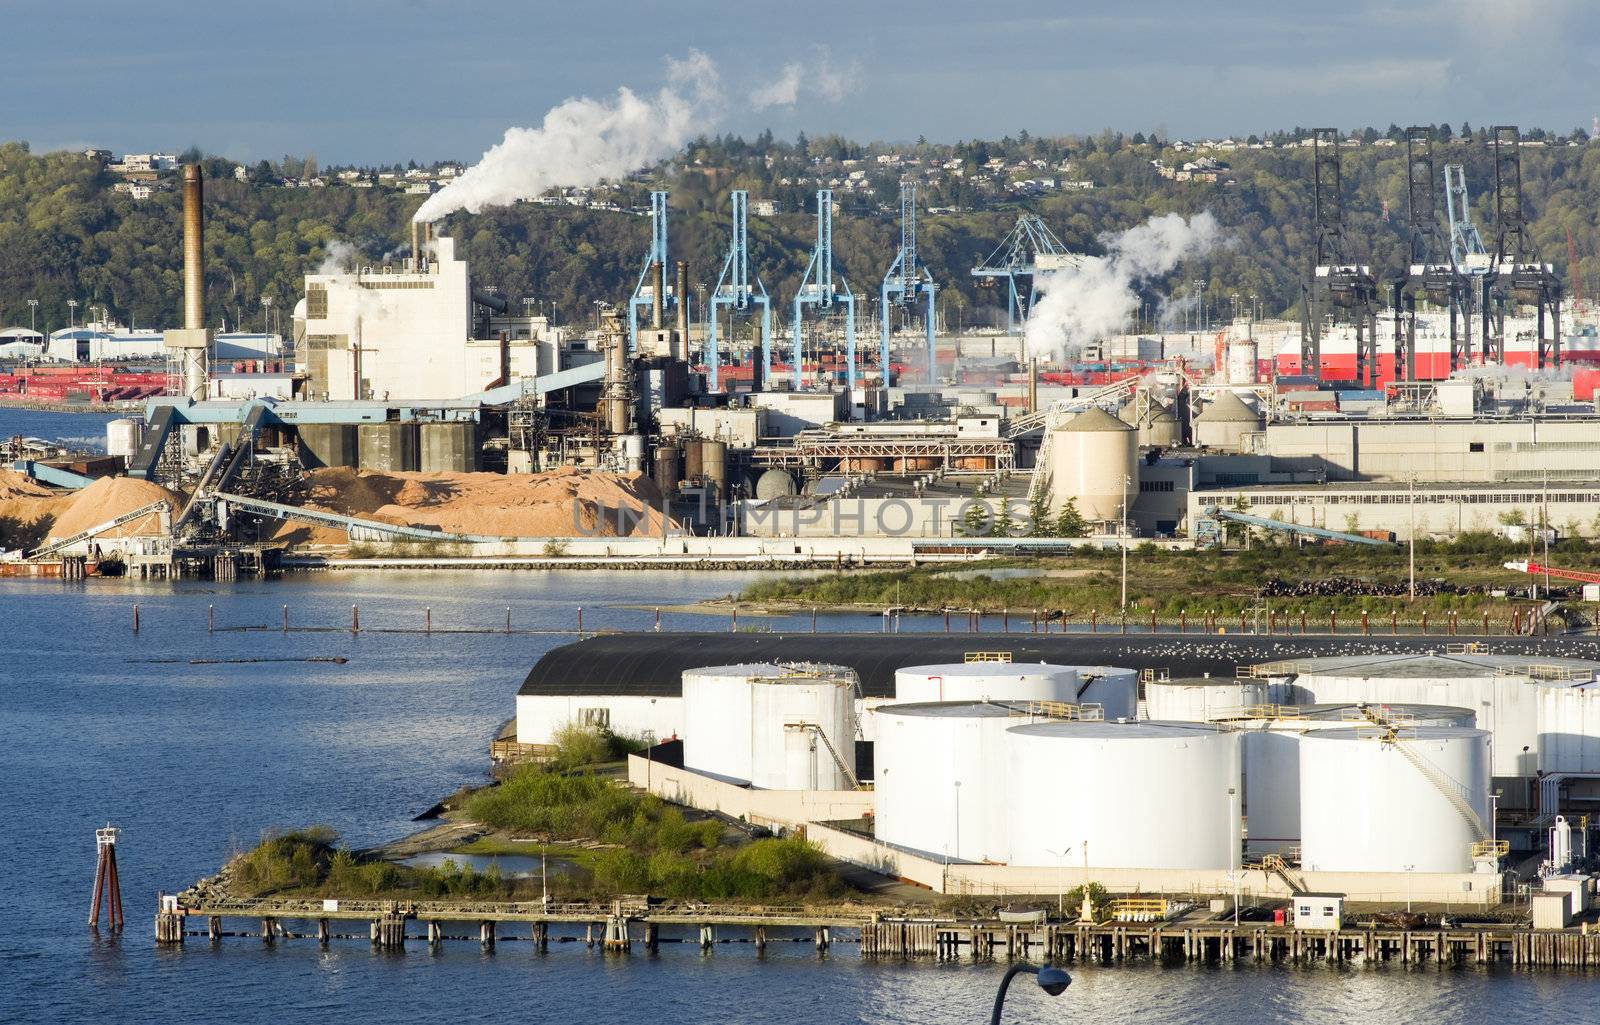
x=819, y=78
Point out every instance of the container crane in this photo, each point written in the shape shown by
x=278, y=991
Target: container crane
x=1516, y=269
x=1337, y=286
x=907, y=281
x=739, y=291
x=653, y=276
x=825, y=288
x=1467, y=251
x=1029, y=250
x=1427, y=273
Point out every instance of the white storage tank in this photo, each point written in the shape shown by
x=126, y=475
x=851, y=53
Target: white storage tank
x=1376, y=800
x=1202, y=699
x=1094, y=460
x=1224, y=422
x=1242, y=361
x=986, y=681
x=1114, y=689
x=1569, y=727
x=765, y=724
x=1502, y=690
x=124, y=435
x=1271, y=753
x=940, y=777
x=1142, y=795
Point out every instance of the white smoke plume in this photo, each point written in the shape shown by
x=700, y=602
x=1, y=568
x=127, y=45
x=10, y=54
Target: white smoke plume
x=1095, y=298
x=820, y=77
x=340, y=257
x=583, y=141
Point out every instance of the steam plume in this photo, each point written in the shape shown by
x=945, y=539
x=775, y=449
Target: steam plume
x=1095, y=297
x=584, y=141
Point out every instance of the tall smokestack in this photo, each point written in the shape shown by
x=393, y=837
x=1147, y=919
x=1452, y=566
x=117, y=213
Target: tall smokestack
x=683, y=311
x=194, y=315
x=416, y=246
x=658, y=293
x=1033, y=385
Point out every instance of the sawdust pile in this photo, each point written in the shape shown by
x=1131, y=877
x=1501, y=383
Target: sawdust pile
x=559, y=503
x=27, y=508
x=108, y=498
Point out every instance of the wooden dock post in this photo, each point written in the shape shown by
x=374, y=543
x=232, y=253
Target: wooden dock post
x=106, y=883
x=211, y=619
x=761, y=939
x=269, y=930
x=355, y=620
x=652, y=940
x=616, y=941
x=541, y=936
x=486, y=934
x=214, y=928
x=322, y=932
x=435, y=935
x=823, y=938
x=707, y=938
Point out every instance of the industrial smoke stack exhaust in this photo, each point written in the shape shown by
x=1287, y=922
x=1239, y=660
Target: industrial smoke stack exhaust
x=658, y=289
x=416, y=246
x=193, y=253
x=683, y=311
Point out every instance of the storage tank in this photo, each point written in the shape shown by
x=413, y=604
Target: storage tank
x=774, y=484
x=388, y=447
x=693, y=464
x=449, y=447
x=328, y=445
x=1271, y=753
x=124, y=435
x=1376, y=800
x=1094, y=460
x=1569, y=727
x=1202, y=699
x=1242, y=361
x=1114, y=689
x=921, y=754
x=1224, y=422
x=632, y=448
x=666, y=469
x=1071, y=783
x=763, y=724
x=1161, y=428
x=714, y=456
x=1503, y=690
x=986, y=681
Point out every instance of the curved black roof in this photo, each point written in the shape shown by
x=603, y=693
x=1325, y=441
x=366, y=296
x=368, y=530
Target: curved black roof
x=652, y=664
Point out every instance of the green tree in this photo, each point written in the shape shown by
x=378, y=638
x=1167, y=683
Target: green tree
x=1070, y=522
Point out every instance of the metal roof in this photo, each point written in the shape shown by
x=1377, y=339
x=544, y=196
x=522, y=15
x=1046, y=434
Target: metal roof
x=652, y=664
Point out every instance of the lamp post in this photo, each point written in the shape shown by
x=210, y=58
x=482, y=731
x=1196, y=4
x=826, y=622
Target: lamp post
x=956, y=854
x=72, y=313
x=33, y=310
x=266, y=314
x=1408, y=888
x=1051, y=979
x=1126, y=483
x=1061, y=879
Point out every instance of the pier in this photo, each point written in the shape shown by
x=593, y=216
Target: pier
x=625, y=926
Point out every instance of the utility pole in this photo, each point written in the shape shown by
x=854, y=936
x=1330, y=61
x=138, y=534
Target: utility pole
x=33, y=310
x=1126, y=481
x=1411, y=490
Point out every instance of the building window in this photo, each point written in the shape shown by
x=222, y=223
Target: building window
x=316, y=302
x=1475, y=446
x=595, y=718
x=1146, y=486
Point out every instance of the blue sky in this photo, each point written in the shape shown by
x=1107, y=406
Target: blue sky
x=391, y=80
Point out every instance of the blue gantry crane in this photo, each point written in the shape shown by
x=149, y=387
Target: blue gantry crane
x=825, y=288
x=738, y=290
x=1029, y=250
x=907, y=281
x=653, y=274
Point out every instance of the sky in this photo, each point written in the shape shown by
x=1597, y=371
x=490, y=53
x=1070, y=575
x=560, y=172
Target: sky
x=378, y=81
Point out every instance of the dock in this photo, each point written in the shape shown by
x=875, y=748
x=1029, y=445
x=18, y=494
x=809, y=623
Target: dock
x=622, y=926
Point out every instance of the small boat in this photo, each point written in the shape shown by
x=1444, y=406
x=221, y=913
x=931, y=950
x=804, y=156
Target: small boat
x=1015, y=914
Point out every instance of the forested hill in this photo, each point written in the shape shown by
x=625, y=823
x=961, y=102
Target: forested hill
x=65, y=232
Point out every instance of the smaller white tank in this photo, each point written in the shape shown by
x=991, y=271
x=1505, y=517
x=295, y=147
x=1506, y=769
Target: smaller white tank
x=124, y=436
x=633, y=452
x=1569, y=727
x=1373, y=800
x=776, y=727
x=774, y=483
x=1242, y=361
x=1201, y=699
x=986, y=681
x=1114, y=689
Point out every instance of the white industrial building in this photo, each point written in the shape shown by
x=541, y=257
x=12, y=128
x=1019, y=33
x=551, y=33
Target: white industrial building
x=378, y=333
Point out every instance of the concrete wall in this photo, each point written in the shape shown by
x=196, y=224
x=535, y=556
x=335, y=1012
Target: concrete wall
x=1458, y=450
x=966, y=878
x=448, y=447
x=328, y=445
x=388, y=447
x=1439, y=510
x=785, y=808
x=540, y=715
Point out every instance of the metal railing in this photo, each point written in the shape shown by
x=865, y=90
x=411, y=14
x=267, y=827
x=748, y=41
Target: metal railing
x=986, y=656
x=1495, y=849
x=1139, y=909
x=1066, y=710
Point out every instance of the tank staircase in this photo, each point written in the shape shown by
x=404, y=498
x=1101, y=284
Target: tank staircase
x=1277, y=866
x=1451, y=788
x=833, y=752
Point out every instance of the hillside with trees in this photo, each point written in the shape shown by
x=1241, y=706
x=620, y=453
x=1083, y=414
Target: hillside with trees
x=66, y=233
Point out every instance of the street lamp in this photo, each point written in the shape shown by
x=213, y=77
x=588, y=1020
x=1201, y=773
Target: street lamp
x=1061, y=879
x=1408, y=888
x=33, y=309
x=1051, y=979
x=1127, y=482
x=266, y=314
x=72, y=313
x=957, y=852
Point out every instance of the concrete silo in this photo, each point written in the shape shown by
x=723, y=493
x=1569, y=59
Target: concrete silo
x=1094, y=460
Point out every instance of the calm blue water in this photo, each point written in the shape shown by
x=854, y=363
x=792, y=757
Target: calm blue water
x=80, y=430
x=191, y=760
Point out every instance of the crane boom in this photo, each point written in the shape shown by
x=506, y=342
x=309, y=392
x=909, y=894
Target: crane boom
x=1539, y=569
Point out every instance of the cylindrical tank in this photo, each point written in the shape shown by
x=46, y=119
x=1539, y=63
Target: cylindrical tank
x=1225, y=422
x=774, y=483
x=1114, y=689
x=1161, y=428
x=1094, y=461
x=777, y=727
x=693, y=462
x=124, y=436
x=1202, y=699
x=388, y=447
x=632, y=447
x=1242, y=367
x=940, y=778
x=1569, y=728
x=328, y=445
x=1380, y=801
x=714, y=456
x=987, y=681
x=666, y=469
x=1504, y=691
x=1271, y=745
x=449, y=447
x=1073, y=783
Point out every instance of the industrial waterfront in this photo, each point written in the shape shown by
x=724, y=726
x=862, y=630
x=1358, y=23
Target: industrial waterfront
x=191, y=760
